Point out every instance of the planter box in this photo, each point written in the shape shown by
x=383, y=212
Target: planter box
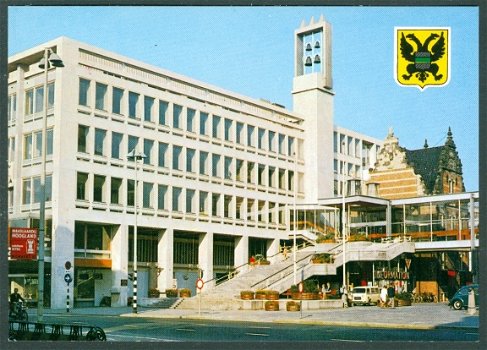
x=272, y=295
x=305, y=296
x=247, y=295
x=185, y=293
x=260, y=296
x=402, y=302
x=290, y=306
x=271, y=305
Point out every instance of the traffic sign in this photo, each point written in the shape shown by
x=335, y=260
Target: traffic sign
x=68, y=279
x=199, y=283
x=67, y=265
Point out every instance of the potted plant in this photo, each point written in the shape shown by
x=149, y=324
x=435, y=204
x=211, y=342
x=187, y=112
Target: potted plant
x=272, y=295
x=403, y=299
x=271, y=305
x=328, y=237
x=171, y=293
x=261, y=294
x=247, y=295
x=185, y=293
x=154, y=293
x=322, y=258
x=292, y=306
x=261, y=260
x=310, y=291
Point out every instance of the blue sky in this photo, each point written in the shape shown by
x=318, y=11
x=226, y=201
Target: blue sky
x=249, y=50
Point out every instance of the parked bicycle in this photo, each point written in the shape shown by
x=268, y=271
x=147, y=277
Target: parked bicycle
x=18, y=312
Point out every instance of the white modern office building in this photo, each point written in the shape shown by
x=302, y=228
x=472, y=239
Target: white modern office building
x=220, y=176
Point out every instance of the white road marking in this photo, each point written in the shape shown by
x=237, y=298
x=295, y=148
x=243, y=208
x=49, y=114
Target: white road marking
x=186, y=329
x=257, y=334
x=259, y=327
x=138, y=338
x=349, y=340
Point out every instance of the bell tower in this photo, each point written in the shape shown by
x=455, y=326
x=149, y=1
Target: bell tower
x=313, y=100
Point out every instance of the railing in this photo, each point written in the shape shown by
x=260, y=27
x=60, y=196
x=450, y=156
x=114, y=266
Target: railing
x=440, y=235
x=22, y=330
x=283, y=273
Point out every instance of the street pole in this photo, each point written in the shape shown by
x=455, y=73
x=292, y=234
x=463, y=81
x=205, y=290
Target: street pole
x=294, y=220
x=136, y=156
x=343, y=222
x=44, y=64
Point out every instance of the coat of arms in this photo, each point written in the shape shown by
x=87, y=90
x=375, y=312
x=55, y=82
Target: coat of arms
x=422, y=57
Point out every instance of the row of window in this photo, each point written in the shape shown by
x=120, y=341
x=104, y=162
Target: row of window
x=188, y=159
x=34, y=102
x=150, y=109
x=33, y=144
x=31, y=190
x=176, y=199
x=354, y=147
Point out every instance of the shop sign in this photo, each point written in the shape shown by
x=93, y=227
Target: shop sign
x=23, y=243
x=391, y=275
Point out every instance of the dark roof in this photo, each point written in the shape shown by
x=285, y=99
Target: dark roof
x=425, y=162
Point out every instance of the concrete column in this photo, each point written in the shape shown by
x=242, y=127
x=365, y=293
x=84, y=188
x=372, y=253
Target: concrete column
x=119, y=255
x=165, y=259
x=205, y=256
x=273, y=249
x=388, y=220
x=62, y=251
x=241, y=250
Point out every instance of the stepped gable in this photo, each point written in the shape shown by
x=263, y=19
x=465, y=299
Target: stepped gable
x=432, y=162
x=403, y=173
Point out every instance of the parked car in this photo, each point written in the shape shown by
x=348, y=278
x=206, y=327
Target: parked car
x=365, y=295
x=460, y=299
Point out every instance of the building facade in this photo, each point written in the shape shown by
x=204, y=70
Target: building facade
x=219, y=175
x=401, y=173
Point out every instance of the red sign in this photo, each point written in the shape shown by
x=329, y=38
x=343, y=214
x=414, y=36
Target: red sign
x=23, y=243
x=199, y=283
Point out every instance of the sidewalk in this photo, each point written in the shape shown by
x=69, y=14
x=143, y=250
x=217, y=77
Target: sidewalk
x=417, y=316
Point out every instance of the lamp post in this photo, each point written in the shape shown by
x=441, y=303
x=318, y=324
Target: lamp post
x=136, y=156
x=49, y=59
x=343, y=221
x=295, y=220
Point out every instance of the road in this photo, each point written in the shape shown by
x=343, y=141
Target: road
x=127, y=329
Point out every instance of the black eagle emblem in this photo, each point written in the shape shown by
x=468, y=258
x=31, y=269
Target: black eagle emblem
x=423, y=58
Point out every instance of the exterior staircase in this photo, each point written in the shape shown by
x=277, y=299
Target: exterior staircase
x=280, y=275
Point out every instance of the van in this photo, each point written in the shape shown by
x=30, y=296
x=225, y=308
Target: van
x=365, y=295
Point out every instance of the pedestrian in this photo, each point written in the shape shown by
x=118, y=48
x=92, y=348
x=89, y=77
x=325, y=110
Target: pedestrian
x=390, y=295
x=15, y=297
x=284, y=251
x=383, y=296
x=344, y=296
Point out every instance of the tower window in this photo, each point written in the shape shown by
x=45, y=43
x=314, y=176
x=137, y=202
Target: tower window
x=317, y=45
x=308, y=47
x=317, y=59
x=308, y=61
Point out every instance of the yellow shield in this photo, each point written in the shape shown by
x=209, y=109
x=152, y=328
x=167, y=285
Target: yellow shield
x=422, y=57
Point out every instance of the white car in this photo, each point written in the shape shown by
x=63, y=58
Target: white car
x=365, y=296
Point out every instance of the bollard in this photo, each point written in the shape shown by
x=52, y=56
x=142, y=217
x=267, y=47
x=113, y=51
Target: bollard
x=471, y=302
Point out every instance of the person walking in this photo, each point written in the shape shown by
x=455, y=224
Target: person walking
x=383, y=296
x=344, y=293
x=390, y=295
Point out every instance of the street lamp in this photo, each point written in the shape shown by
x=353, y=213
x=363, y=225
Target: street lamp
x=136, y=156
x=343, y=221
x=295, y=220
x=49, y=59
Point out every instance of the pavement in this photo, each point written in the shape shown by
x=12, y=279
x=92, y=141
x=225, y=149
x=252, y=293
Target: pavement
x=417, y=316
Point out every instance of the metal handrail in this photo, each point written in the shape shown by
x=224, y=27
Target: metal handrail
x=279, y=273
